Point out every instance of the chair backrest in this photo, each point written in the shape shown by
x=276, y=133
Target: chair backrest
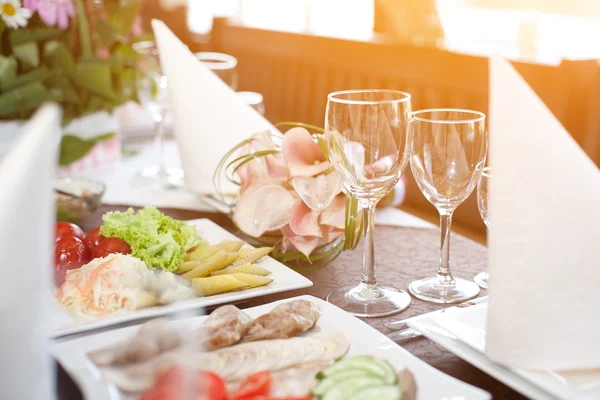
x=27, y=216
x=295, y=72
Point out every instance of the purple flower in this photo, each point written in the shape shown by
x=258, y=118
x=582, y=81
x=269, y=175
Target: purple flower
x=53, y=12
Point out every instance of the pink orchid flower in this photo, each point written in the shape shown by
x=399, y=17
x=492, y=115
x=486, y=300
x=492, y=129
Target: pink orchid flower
x=262, y=168
x=304, y=244
x=263, y=209
x=333, y=219
x=304, y=157
x=317, y=192
x=53, y=12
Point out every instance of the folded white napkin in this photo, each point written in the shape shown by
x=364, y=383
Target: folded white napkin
x=26, y=239
x=543, y=241
x=209, y=118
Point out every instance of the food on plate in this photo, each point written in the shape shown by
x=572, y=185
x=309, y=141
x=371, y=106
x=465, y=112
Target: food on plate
x=363, y=378
x=227, y=283
x=93, y=239
x=111, y=245
x=158, y=240
x=112, y=285
x=63, y=229
x=202, y=252
x=205, y=267
x=178, y=383
x=285, y=320
x=69, y=253
x=225, y=326
x=217, y=284
x=251, y=269
x=249, y=256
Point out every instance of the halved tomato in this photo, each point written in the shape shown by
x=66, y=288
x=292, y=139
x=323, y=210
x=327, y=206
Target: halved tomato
x=254, y=385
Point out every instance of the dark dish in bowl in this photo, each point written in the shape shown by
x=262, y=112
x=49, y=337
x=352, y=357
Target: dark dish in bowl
x=77, y=198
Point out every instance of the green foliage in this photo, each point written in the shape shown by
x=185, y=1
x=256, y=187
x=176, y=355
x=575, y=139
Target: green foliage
x=73, y=148
x=39, y=63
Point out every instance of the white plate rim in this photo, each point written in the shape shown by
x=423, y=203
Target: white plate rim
x=75, y=363
x=299, y=282
x=426, y=325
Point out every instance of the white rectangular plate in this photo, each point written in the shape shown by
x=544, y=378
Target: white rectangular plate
x=431, y=383
x=283, y=277
x=462, y=331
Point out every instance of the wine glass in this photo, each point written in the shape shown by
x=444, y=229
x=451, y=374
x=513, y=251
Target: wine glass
x=152, y=92
x=223, y=65
x=367, y=135
x=482, y=203
x=253, y=99
x=448, y=154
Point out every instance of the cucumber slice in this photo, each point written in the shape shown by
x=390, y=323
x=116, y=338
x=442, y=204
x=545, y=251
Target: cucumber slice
x=383, y=392
x=344, y=389
x=369, y=364
x=335, y=378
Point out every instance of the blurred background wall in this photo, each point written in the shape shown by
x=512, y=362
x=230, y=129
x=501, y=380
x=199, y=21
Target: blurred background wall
x=295, y=52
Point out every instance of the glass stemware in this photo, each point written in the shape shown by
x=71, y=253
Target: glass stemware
x=253, y=99
x=482, y=203
x=222, y=65
x=152, y=92
x=448, y=154
x=367, y=135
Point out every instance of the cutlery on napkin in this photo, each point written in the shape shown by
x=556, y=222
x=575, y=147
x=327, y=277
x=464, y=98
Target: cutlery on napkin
x=26, y=236
x=209, y=119
x=543, y=245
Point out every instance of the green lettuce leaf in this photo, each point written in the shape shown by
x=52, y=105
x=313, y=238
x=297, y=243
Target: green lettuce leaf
x=160, y=241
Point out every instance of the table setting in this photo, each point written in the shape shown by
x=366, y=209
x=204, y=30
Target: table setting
x=236, y=258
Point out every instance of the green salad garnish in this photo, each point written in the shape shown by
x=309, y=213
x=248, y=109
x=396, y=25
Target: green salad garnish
x=158, y=240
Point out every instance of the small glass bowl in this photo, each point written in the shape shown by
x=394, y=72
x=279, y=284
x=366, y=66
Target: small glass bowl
x=77, y=199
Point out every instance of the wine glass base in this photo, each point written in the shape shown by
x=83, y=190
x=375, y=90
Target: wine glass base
x=482, y=279
x=436, y=290
x=168, y=177
x=369, y=301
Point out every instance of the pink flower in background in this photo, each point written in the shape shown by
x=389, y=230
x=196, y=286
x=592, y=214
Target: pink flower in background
x=304, y=157
x=53, y=12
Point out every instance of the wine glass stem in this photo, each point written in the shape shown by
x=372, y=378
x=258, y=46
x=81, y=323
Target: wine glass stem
x=159, y=141
x=446, y=227
x=368, y=272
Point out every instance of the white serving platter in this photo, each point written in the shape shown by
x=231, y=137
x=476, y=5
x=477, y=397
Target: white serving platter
x=432, y=384
x=284, y=279
x=463, y=330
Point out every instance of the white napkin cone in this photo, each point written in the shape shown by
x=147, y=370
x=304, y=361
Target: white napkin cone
x=209, y=118
x=26, y=238
x=544, y=236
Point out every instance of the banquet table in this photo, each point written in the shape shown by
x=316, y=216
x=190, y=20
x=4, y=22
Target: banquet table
x=402, y=255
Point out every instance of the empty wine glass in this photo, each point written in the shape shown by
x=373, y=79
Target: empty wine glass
x=448, y=155
x=152, y=92
x=368, y=143
x=253, y=99
x=482, y=203
x=223, y=65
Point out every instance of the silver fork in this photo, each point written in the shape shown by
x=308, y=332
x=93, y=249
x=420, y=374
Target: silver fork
x=409, y=333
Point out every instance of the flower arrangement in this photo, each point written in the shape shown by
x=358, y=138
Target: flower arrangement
x=289, y=196
x=72, y=52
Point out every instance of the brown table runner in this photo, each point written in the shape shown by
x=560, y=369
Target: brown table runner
x=401, y=255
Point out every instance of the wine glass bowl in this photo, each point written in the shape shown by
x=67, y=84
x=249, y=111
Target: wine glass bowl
x=367, y=137
x=483, y=205
x=222, y=65
x=448, y=154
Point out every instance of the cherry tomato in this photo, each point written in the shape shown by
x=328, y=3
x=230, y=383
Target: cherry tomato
x=258, y=384
x=93, y=239
x=69, y=253
x=68, y=229
x=111, y=245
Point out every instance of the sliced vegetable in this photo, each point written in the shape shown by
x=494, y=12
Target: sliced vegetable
x=368, y=364
x=258, y=384
x=383, y=392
